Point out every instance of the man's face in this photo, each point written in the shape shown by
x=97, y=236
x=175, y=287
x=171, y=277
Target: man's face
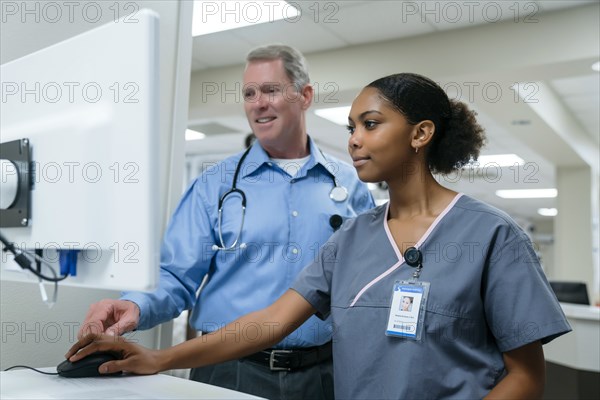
x=273, y=105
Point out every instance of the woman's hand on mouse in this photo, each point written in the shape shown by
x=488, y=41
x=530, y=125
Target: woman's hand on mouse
x=133, y=357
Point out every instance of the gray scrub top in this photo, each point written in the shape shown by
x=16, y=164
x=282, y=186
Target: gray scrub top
x=488, y=295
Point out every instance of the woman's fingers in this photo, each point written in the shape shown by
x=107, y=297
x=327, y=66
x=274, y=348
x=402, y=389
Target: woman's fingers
x=94, y=343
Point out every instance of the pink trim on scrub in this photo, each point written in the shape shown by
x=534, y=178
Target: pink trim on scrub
x=397, y=250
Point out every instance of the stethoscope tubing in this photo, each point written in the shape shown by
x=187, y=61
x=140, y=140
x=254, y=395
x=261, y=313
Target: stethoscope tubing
x=337, y=194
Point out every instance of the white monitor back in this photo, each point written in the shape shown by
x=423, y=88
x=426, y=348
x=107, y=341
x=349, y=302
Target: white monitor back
x=89, y=108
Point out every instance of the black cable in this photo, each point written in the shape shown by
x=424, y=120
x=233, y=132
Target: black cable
x=25, y=263
x=47, y=278
x=27, y=367
x=7, y=245
x=39, y=254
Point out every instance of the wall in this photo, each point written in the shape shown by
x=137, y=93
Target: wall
x=34, y=335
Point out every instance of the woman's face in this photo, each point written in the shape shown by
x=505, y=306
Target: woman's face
x=380, y=138
x=405, y=304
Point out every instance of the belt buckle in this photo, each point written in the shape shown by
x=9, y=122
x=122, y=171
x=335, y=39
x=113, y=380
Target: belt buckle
x=272, y=367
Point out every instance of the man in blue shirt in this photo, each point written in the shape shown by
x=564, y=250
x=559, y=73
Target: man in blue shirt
x=295, y=198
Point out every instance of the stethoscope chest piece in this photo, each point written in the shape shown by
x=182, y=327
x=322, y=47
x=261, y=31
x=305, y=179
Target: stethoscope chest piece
x=338, y=193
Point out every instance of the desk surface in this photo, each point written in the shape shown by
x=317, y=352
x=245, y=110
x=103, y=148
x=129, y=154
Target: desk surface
x=28, y=384
x=580, y=311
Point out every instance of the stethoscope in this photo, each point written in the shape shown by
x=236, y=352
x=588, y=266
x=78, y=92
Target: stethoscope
x=338, y=194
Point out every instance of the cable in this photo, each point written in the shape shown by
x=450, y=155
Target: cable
x=25, y=262
x=27, y=367
x=25, y=258
x=48, y=265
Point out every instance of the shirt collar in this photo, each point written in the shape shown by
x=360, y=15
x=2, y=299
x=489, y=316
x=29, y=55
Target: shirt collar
x=317, y=155
x=257, y=157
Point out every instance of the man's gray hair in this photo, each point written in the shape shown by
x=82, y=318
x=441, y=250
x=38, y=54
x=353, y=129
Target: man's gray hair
x=294, y=62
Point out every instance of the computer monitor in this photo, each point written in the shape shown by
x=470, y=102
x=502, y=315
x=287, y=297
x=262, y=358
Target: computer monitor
x=87, y=109
x=571, y=292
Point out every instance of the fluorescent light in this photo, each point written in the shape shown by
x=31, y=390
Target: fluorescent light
x=212, y=16
x=496, y=160
x=337, y=115
x=548, y=212
x=527, y=193
x=596, y=66
x=193, y=135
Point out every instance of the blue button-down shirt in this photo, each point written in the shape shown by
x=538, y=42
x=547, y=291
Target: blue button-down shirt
x=286, y=222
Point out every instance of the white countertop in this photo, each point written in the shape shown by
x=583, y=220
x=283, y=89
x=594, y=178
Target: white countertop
x=580, y=311
x=579, y=349
x=28, y=384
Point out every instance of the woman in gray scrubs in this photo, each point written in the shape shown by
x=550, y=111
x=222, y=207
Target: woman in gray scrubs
x=481, y=306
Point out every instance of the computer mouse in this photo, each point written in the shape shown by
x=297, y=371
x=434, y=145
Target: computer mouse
x=86, y=367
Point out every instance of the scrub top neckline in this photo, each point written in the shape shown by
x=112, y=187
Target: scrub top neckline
x=427, y=233
x=397, y=250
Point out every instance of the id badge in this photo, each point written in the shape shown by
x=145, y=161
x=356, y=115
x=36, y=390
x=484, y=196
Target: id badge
x=407, y=312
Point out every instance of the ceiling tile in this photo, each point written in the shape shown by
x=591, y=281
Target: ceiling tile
x=577, y=85
x=584, y=102
x=212, y=128
x=550, y=5
x=453, y=15
x=304, y=34
x=220, y=49
x=348, y=3
x=198, y=64
x=591, y=124
x=375, y=21
x=581, y=95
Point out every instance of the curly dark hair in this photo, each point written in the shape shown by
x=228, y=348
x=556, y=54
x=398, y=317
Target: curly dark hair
x=458, y=136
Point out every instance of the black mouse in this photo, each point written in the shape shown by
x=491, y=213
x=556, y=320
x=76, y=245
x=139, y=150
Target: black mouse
x=86, y=367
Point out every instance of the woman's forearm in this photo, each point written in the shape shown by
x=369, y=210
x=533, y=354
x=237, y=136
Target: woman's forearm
x=246, y=335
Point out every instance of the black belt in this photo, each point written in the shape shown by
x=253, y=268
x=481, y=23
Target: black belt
x=287, y=360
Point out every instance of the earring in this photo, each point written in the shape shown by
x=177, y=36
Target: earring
x=416, y=150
